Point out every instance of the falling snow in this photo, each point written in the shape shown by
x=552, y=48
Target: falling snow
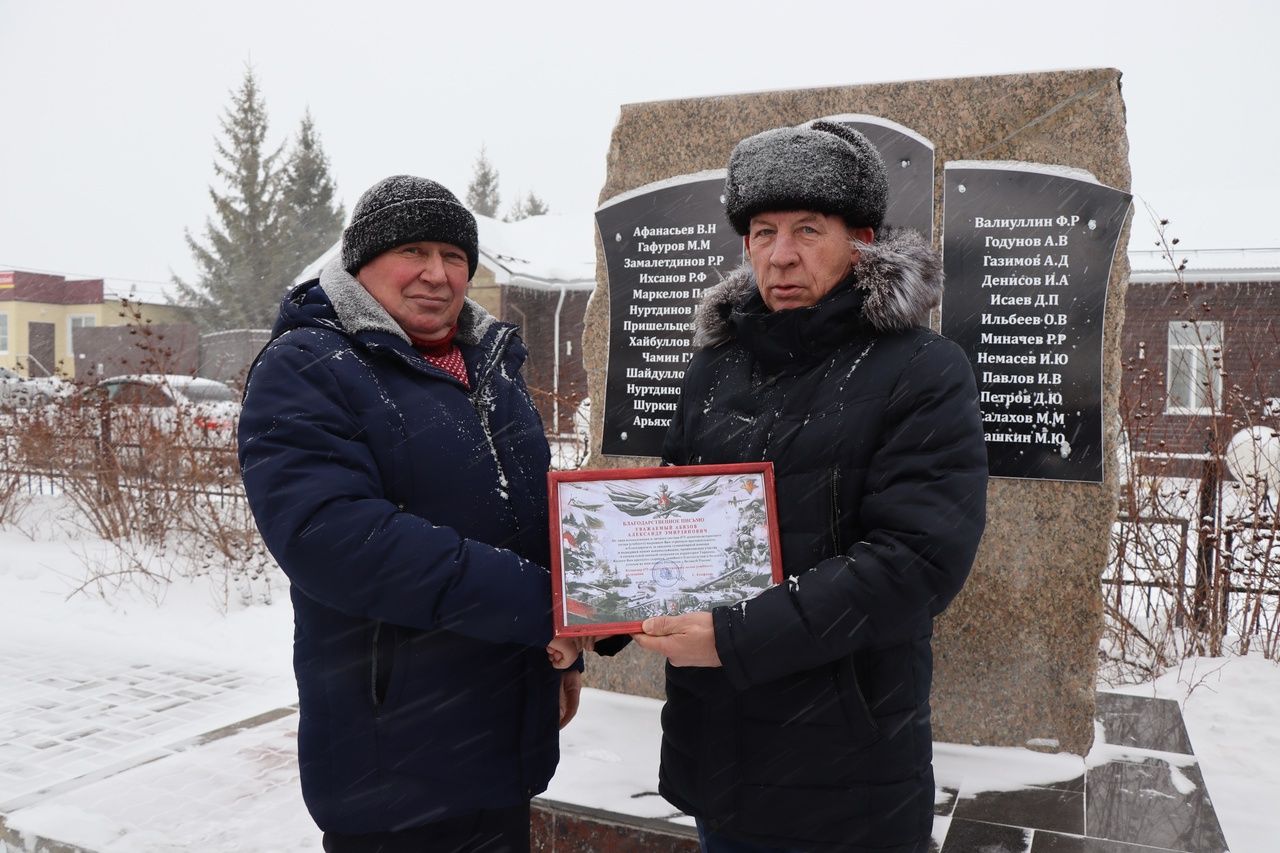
x=241, y=793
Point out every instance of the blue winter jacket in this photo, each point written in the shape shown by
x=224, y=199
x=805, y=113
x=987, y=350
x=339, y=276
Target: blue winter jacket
x=410, y=515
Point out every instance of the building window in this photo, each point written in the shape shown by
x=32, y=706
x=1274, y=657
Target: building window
x=1195, y=368
x=4, y=332
x=77, y=321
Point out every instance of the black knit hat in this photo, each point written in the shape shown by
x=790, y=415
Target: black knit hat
x=820, y=166
x=404, y=209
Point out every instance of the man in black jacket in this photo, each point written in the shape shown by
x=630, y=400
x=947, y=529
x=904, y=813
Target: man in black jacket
x=799, y=720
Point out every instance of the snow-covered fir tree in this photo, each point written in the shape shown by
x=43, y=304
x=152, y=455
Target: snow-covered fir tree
x=310, y=217
x=241, y=268
x=528, y=206
x=482, y=192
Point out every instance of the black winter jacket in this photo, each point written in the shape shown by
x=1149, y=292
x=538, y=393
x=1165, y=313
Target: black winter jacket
x=410, y=515
x=815, y=734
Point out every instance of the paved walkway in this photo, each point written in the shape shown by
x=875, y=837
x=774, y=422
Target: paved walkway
x=107, y=755
x=103, y=754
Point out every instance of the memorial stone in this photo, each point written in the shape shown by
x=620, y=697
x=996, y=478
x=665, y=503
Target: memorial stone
x=1016, y=653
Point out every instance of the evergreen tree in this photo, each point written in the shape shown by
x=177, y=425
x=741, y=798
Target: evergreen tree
x=530, y=205
x=482, y=192
x=310, y=219
x=240, y=266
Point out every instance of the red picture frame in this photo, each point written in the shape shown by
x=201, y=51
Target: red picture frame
x=631, y=543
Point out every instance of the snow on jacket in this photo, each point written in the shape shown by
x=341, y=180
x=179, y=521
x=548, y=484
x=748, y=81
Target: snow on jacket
x=815, y=733
x=410, y=515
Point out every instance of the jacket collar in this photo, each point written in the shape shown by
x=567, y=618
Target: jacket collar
x=798, y=336
x=357, y=311
x=898, y=280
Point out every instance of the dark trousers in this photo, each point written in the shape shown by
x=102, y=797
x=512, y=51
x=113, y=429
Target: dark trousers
x=714, y=843
x=488, y=831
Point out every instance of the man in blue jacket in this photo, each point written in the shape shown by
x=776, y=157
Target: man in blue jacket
x=396, y=468
x=799, y=720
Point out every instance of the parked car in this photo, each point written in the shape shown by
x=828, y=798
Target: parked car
x=201, y=410
x=19, y=392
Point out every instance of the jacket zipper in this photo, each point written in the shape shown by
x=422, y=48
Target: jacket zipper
x=478, y=400
x=380, y=669
x=835, y=511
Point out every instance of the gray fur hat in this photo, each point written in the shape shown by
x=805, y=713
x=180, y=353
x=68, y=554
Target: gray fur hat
x=404, y=209
x=820, y=166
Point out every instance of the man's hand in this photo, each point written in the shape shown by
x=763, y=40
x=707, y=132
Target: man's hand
x=570, y=693
x=563, y=651
x=687, y=640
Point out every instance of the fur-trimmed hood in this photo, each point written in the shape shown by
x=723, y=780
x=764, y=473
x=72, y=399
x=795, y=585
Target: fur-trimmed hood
x=900, y=276
x=358, y=311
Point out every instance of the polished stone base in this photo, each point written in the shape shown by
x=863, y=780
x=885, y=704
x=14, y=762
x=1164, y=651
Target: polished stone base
x=1141, y=792
x=1149, y=797
x=567, y=828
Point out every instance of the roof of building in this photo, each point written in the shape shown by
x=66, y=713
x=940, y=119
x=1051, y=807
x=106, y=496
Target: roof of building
x=1205, y=265
x=555, y=251
x=552, y=251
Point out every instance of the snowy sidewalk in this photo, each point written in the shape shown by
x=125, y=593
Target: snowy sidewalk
x=114, y=748
x=105, y=753
x=144, y=757
x=138, y=727
x=64, y=718
x=99, y=754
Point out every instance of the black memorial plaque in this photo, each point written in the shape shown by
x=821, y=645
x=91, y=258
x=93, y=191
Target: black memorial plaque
x=664, y=244
x=1027, y=254
x=909, y=161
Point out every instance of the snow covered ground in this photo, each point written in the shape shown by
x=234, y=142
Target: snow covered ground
x=155, y=781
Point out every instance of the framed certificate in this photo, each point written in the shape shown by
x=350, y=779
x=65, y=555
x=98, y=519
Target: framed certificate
x=639, y=542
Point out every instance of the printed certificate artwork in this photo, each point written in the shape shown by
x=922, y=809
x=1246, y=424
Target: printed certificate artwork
x=630, y=544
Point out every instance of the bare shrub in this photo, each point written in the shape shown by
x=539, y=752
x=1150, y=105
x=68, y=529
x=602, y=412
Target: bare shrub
x=127, y=565
x=569, y=450
x=222, y=543
x=1194, y=567
x=159, y=485
x=123, y=477
x=13, y=491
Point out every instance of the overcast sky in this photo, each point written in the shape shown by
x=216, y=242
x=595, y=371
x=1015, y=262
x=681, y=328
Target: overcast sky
x=110, y=110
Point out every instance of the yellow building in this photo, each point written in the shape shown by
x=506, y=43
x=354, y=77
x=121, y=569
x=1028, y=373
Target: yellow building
x=39, y=314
